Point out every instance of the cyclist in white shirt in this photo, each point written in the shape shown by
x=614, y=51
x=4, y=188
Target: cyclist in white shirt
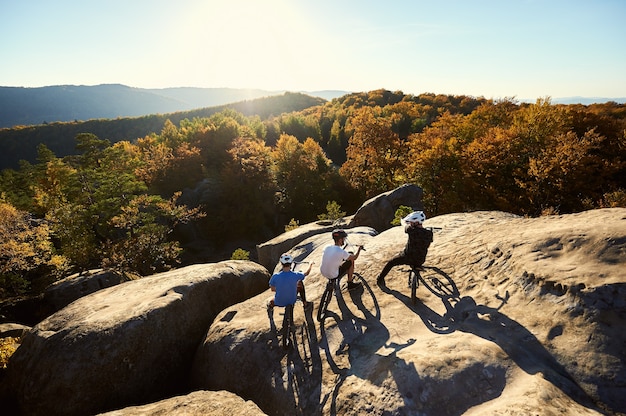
x=336, y=261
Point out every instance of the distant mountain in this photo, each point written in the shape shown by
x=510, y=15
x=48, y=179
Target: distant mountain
x=587, y=100
x=579, y=100
x=34, y=106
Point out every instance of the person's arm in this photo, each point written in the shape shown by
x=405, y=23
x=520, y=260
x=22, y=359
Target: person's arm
x=356, y=255
x=309, y=270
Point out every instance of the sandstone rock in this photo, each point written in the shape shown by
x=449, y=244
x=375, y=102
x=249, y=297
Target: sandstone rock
x=127, y=344
x=270, y=251
x=379, y=211
x=66, y=291
x=197, y=403
x=535, y=326
x=13, y=330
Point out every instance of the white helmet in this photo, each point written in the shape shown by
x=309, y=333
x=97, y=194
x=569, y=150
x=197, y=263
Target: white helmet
x=415, y=217
x=286, y=259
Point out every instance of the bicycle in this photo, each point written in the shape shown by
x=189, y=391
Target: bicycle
x=331, y=285
x=288, y=327
x=439, y=284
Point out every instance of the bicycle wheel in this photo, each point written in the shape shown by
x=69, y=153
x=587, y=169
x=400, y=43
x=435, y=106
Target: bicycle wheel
x=287, y=325
x=325, y=301
x=440, y=284
x=413, y=277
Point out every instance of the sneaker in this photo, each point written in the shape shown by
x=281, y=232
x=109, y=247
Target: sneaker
x=353, y=285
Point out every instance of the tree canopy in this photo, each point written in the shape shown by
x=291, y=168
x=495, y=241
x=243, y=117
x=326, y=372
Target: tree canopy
x=145, y=204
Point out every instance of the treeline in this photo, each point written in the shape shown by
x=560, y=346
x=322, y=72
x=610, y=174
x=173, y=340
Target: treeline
x=142, y=205
x=20, y=142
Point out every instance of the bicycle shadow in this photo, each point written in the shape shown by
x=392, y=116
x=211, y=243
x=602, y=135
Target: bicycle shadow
x=521, y=345
x=372, y=356
x=361, y=339
x=303, y=365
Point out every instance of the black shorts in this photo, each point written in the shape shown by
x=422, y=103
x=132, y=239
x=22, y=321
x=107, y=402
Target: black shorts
x=343, y=269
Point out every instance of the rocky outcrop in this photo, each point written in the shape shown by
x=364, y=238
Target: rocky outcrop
x=527, y=324
x=128, y=344
x=13, y=330
x=523, y=316
x=379, y=211
x=213, y=403
x=376, y=213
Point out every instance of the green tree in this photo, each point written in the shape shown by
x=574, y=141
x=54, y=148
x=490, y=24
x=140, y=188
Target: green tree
x=145, y=224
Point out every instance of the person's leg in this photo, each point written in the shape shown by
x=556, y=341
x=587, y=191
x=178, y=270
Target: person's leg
x=396, y=261
x=301, y=291
x=348, y=268
x=307, y=305
x=350, y=271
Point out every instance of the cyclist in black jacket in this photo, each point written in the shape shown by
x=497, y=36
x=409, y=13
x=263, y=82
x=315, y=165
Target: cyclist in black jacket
x=414, y=253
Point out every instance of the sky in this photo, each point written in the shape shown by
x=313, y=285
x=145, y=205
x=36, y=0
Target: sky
x=526, y=49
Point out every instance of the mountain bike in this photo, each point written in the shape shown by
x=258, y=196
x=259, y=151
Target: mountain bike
x=331, y=286
x=440, y=284
x=288, y=327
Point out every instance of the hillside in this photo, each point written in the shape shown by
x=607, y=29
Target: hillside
x=21, y=106
x=20, y=143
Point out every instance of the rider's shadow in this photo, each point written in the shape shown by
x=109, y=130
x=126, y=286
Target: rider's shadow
x=463, y=314
x=350, y=326
x=433, y=321
x=517, y=342
x=303, y=369
x=361, y=340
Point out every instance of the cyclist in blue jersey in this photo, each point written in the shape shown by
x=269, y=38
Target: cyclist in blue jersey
x=287, y=284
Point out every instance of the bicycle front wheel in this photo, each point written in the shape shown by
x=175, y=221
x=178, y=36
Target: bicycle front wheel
x=439, y=283
x=413, y=277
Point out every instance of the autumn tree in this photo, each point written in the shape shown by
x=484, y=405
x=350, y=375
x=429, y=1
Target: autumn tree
x=248, y=184
x=25, y=248
x=375, y=155
x=304, y=176
x=434, y=165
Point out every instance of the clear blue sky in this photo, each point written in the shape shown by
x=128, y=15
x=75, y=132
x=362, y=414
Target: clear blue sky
x=492, y=48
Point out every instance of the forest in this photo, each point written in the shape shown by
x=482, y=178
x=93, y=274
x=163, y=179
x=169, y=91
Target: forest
x=226, y=181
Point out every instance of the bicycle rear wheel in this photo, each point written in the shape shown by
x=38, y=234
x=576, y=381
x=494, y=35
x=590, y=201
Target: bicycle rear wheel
x=287, y=326
x=325, y=301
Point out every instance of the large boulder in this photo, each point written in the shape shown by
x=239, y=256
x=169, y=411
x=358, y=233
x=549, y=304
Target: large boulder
x=269, y=252
x=128, y=344
x=379, y=211
x=65, y=291
x=197, y=403
x=533, y=324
